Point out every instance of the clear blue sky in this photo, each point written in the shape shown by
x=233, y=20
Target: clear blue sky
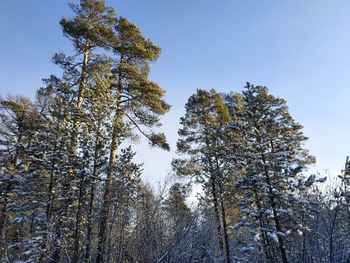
x=299, y=49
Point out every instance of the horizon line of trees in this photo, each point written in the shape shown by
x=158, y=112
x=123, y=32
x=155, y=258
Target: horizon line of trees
x=70, y=190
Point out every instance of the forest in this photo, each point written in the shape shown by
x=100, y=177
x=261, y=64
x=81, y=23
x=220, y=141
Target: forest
x=71, y=190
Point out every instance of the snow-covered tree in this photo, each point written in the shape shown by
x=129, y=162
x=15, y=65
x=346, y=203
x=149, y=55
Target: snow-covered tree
x=274, y=159
x=204, y=139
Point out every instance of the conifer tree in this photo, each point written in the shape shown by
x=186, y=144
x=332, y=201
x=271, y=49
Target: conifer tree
x=274, y=158
x=70, y=190
x=179, y=221
x=176, y=207
x=93, y=147
x=202, y=140
x=91, y=28
x=51, y=157
x=138, y=103
x=95, y=124
x=126, y=192
x=17, y=129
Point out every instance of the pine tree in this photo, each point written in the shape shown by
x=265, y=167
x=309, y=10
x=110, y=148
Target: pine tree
x=93, y=146
x=50, y=158
x=203, y=140
x=274, y=158
x=138, y=103
x=91, y=28
x=95, y=126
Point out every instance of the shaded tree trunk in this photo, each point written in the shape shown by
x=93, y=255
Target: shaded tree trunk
x=111, y=168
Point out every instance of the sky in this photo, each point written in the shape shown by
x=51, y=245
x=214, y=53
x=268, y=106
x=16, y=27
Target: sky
x=299, y=49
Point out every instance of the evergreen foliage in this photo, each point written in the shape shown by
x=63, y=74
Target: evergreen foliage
x=71, y=191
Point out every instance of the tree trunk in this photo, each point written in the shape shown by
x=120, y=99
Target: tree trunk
x=92, y=197
x=275, y=215
x=214, y=193
x=266, y=244
x=89, y=223
x=111, y=167
x=73, y=146
x=223, y=213
x=92, y=193
x=217, y=215
x=79, y=102
x=77, y=223
x=224, y=228
x=107, y=193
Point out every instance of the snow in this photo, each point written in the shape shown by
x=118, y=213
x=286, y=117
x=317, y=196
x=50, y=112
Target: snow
x=273, y=236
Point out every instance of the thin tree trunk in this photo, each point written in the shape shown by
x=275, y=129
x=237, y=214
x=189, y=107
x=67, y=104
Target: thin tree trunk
x=215, y=200
x=107, y=193
x=77, y=222
x=223, y=213
x=56, y=256
x=79, y=102
x=122, y=235
x=278, y=226
x=224, y=228
x=73, y=147
x=111, y=167
x=275, y=215
x=48, y=211
x=89, y=223
x=52, y=175
x=92, y=196
x=331, y=252
x=217, y=215
x=49, y=202
x=280, y=239
x=266, y=244
x=273, y=205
